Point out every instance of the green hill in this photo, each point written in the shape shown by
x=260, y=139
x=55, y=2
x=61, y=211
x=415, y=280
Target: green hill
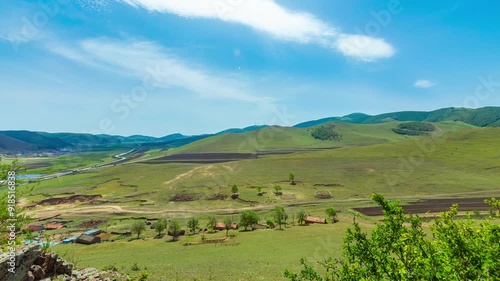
x=26, y=140
x=481, y=117
x=290, y=139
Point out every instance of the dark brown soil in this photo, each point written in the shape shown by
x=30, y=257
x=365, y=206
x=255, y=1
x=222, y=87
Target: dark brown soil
x=218, y=196
x=91, y=223
x=328, y=184
x=185, y=197
x=323, y=195
x=69, y=199
x=432, y=205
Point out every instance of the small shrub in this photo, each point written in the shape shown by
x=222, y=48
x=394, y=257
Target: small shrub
x=143, y=276
x=110, y=268
x=135, y=267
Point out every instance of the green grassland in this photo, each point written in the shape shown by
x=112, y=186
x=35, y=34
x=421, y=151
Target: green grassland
x=277, y=138
x=455, y=161
x=48, y=165
x=253, y=255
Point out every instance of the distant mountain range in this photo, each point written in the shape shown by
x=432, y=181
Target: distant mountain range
x=481, y=117
x=28, y=141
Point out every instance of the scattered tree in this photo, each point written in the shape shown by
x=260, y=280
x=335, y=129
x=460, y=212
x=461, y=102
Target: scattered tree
x=138, y=228
x=301, y=217
x=248, y=218
x=228, y=225
x=399, y=249
x=291, y=178
x=279, y=215
x=332, y=214
x=277, y=190
x=495, y=206
x=211, y=223
x=270, y=223
x=325, y=133
x=259, y=190
x=174, y=229
x=193, y=224
x=160, y=226
x=234, y=190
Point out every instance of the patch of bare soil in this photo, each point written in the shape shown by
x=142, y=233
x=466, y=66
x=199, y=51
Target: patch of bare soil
x=68, y=200
x=432, y=206
x=91, y=223
x=218, y=196
x=328, y=184
x=288, y=197
x=185, y=197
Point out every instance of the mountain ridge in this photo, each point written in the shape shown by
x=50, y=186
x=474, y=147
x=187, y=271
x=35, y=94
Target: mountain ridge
x=23, y=140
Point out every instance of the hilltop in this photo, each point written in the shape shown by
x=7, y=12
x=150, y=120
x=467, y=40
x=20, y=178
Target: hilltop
x=481, y=117
x=286, y=137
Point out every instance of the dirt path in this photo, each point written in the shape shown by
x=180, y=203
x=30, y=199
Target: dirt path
x=72, y=209
x=187, y=174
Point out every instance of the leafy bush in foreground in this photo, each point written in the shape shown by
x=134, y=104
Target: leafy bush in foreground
x=399, y=249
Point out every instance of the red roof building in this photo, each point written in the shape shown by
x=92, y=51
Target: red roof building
x=52, y=226
x=310, y=219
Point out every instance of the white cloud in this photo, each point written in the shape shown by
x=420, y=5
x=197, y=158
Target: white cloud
x=269, y=17
x=364, y=48
x=422, y=83
x=162, y=69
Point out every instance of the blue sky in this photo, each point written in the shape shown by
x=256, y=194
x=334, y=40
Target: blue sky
x=156, y=67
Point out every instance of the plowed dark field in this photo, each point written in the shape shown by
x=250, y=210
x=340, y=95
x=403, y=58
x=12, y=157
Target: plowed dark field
x=432, y=205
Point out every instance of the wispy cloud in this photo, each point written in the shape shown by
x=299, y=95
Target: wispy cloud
x=422, y=83
x=162, y=68
x=269, y=17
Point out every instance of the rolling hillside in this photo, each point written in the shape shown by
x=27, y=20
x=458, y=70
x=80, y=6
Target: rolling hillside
x=255, y=138
x=290, y=139
x=481, y=117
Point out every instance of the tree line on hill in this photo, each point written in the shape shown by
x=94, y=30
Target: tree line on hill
x=414, y=128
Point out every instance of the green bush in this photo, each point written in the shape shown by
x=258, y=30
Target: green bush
x=325, y=132
x=414, y=128
x=399, y=249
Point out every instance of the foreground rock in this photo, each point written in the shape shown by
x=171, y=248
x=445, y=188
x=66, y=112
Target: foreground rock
x=32, y=264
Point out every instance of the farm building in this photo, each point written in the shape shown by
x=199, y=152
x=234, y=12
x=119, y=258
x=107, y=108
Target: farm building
x=310, y=219
x=70, y=240
x=35, y=227
x=93, y=232
x=222, y=226
x=53, y=226
x=88, y=239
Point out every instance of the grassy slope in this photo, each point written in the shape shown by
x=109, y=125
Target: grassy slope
x=462, y=161
x=288, y=138
x=68, y=161
x=257, y=255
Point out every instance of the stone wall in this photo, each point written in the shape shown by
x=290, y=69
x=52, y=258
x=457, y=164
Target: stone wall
x=24, y=259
